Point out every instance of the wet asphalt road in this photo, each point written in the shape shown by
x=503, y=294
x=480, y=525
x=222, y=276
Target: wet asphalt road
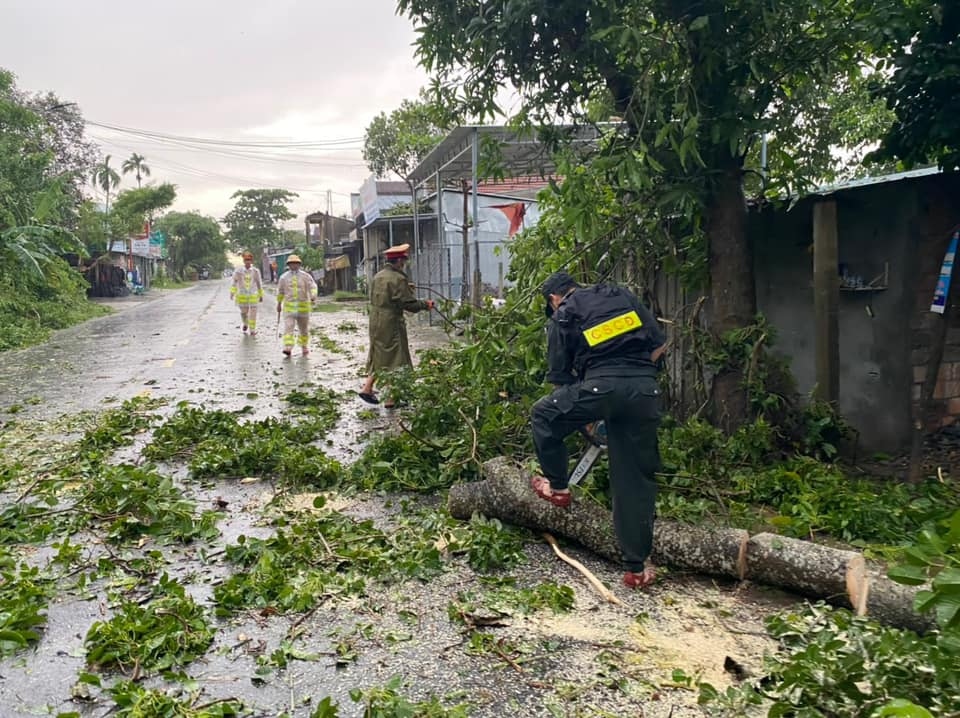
x=174, y=344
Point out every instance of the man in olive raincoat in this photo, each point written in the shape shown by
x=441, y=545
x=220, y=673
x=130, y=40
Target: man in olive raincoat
x=390, y=296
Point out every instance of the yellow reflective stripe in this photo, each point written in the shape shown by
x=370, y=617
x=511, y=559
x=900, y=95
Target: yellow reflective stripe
x=297, y=307
x=612, y=328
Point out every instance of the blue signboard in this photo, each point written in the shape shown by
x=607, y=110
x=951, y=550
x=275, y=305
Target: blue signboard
x=942, y=291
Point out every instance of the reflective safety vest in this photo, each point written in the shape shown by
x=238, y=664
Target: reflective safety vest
x=246, y=287
x=296, y=292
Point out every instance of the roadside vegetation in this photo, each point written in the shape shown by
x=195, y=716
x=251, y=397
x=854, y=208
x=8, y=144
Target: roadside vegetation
x=39, y=291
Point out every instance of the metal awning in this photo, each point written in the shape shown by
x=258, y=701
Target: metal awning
x=522, y=153
x=386, y=219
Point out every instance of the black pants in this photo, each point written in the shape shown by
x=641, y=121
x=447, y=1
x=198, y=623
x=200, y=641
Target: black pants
x=630, y=407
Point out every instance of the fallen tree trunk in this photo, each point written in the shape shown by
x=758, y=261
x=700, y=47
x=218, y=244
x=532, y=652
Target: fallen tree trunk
x=892, y=603
x=810, y=569
x=836, y=575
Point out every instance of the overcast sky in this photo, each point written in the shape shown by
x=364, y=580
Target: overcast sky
x=237, y=70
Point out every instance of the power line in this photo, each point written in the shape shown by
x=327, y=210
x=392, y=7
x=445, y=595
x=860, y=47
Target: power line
x=254, y=156
x=231, y=149
x=320, y=144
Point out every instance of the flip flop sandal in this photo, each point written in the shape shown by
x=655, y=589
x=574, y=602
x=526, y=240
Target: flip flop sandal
x=369, y=398
x=541, y=486
x=640, y=579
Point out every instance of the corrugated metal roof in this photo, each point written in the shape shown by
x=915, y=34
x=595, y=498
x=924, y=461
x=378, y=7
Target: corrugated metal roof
x=876, y=179
x=521, y=152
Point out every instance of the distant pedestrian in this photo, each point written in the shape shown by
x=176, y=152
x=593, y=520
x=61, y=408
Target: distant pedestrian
x=273, y=270
x=390, y=296
x=296, y=293
x=247, y=291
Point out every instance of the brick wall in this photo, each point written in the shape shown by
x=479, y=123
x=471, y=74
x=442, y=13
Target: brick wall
x=938, y=220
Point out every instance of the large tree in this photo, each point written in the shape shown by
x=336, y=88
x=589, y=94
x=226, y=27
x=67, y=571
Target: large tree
x=62, y=133
x=192, y=239
x=35, y=199
x=255, y=221
x=135, y=164
x=696, y=83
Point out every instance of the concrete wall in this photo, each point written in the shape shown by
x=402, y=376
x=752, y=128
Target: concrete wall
x=883, y=333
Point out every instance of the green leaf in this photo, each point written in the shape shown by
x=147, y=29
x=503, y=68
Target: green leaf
x=948, y=581
x=901, y=708
x=908, y=574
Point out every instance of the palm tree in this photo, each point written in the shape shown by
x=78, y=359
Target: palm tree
x=106, y=178
x=135, y=164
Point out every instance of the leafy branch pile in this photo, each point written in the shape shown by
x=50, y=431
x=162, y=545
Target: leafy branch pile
x=836, y=664
x=132, y=501
x=24, y=593
x=168, y=632
x=219, y=444
x=312, y=558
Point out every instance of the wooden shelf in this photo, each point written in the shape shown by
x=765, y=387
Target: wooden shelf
x=863, y=289
x=877, y=284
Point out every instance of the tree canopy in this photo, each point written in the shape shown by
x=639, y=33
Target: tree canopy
x=923, y=92
x=40, y=174
x=396, y=143
x=35, y=200
x=192, y=239
x=135, y=206
x=255, y=221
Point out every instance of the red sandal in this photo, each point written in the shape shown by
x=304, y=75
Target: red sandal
x=640, y=579
x=541, y=487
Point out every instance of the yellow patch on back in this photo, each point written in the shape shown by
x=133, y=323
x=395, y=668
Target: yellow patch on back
x=611, y=328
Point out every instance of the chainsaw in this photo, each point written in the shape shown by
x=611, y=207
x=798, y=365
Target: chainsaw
x=596, y=435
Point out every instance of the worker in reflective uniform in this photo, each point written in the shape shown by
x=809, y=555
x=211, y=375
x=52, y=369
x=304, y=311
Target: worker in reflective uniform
x=602, y=350
x=296, y=293
x=247, y=291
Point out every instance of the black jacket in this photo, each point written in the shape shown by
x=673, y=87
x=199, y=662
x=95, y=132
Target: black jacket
x=601, y=330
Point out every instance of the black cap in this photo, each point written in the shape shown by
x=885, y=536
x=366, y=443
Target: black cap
x=556, y=283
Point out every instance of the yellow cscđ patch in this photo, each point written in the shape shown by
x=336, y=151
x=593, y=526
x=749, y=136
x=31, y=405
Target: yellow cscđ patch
x=612, y=328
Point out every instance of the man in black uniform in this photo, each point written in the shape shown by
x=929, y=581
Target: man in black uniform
x=602, y=350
